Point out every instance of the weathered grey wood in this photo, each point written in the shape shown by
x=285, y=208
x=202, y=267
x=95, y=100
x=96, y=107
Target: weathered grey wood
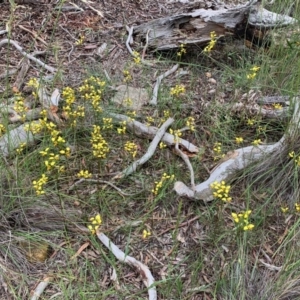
x=195, y=27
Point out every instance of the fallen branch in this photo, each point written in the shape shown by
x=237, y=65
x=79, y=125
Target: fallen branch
x=40, y=288
x=153, y=101
x=143, y=130
x=31, y=57
x=151, y=149
x=188, y=163
x=142, y=269
x=238, y=160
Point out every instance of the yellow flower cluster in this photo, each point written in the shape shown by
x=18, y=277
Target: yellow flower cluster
x=131, y=114
x=242, y=220
x=33, y=83
x=190, y=123
x=297, y=207
x=146, y=234
x=136, y=57
x=212, y=43
x=253, y=73
x=95, y=223
x=218, y=152
x=256, y=142
x=128, y=102
x=177, y=134
x=295, y=157
x=38, y=185
x=150, y=121
x=131, y=148
x=19, y=105
x=277, y=106
x=80, y=41
x=21, y=148
x=182, y=50
x=91, y=90
x=159, y=184
x=239, y=140
x=285, y=209
x=127, y=76
x=122, y=130
x=107, y=123
x=84, y=174
x=250, y=122
x=99, y=145
x=34, y=127
x=178, y=90
x=221, y=191
x=162, y=145
x=69, y=111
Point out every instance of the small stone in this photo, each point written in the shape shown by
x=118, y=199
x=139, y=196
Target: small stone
x=212, y=81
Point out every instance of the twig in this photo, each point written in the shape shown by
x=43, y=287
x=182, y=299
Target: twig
x=142, y=269
x=40, y=288
x=3, y=32
x=130, y=32
x=187, y=162
x=99, y=181
x=151, y=149
x=31, y=57
x=143, y=130
x=153, y=101
x=35, y=35
x=99, y=13
x=146, y=45
x=179, y=226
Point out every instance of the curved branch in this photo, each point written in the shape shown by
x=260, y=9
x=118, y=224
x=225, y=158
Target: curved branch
x=142, y=269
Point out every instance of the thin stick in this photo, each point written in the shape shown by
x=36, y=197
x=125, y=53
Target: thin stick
x=151, y=149
x=153, y=101
x=146, y=45
x=130, y=32
x=20, y=49
x=35, y=35
x=99, y=181
x=187, y=162
x=148, y=279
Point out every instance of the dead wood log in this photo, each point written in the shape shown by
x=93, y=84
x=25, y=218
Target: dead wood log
x=194, y=28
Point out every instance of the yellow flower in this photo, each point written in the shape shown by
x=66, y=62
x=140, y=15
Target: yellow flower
x=277, y=106
x=212, y=42
x=256, y=142
x=95, y=223
x=177, y=90
x=136, y=57
x=297, y=207
x=248, y=227
x=292, y=154
x=84, y=174
x=284, y=209
x=250, y=122
x=239, y=140
x=146, y=234
x=162, y=145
